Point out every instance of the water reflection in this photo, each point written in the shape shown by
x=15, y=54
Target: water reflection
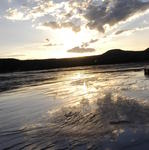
x=103, y=124
x=16, y=80
x=88, y=108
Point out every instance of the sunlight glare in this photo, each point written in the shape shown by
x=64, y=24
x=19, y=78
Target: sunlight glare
x=85, y=89
x=72, y=39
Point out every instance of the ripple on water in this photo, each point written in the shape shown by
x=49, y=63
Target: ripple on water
x=66, y=110
x=101, y=124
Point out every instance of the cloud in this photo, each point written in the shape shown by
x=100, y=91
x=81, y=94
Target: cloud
x=112, y=12
x=71, y=25
x=55, y=25
x=50, y=44
x=30, y=10
x=122, y=31
x=14, y=55
x=130, y=31
x=52, y=24
x=81, y=50
x=94, y=14
x=86, y=44
x=42, y=8
x=14, y=14
x=93, y=40
x=56, y=14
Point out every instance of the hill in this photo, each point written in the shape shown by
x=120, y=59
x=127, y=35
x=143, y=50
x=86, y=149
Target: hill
x=114, y=56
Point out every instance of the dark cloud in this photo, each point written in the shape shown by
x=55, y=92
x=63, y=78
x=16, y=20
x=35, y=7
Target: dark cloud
x=113, y=11
x=93, y=40
x=52, y=44
x=86, y=44
x=121, y=31
x=81, y=50
x=95, y=14
x=55, y=25
x=71, y=25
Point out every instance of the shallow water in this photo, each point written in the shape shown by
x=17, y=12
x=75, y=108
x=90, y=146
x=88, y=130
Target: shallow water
x=96, y=107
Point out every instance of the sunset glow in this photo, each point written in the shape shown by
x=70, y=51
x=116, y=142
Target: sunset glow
x=74, y=74
x=57, y=29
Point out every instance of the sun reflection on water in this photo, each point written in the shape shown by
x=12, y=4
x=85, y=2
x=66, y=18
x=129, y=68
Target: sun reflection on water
x=51, y=112
x=85, y=88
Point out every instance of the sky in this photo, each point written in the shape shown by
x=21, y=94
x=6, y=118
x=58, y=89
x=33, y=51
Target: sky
x=38, y=29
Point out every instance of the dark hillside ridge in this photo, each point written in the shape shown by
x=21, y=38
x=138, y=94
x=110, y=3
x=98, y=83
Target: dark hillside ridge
x=115, y=56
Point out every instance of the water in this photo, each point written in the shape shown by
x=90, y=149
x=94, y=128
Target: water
x=96, y=107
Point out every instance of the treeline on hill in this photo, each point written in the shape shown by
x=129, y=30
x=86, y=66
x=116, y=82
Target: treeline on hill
x=115, y=56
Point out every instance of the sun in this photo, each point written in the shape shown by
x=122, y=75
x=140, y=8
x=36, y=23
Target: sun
x=67, y=40
x=72, y=39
